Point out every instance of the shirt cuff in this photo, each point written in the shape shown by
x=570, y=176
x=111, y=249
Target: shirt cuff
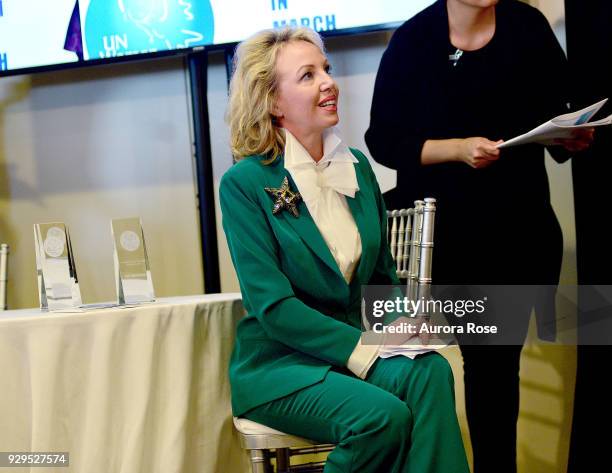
x=362, y=358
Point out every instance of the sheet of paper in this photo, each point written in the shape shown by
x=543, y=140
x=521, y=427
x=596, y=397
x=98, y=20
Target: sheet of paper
x=411, y=350
x=560, y=127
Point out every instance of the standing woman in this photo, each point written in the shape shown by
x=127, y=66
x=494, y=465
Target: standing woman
x=306, y=227
x=455, y=80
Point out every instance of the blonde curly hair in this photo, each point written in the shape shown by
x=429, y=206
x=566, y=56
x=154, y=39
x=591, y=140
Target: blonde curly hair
x=253, y=92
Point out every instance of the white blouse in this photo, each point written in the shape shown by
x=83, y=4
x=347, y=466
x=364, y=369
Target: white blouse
x=324, y=187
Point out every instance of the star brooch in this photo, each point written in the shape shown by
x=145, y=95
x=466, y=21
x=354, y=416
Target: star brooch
x=284, y=198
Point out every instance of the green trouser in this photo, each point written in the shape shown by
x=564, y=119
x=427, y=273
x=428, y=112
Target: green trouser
x=401, y=419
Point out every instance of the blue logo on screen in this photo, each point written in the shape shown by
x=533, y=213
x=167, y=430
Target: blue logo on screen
x=3, y=62
x=0, y=7
x=122, y=27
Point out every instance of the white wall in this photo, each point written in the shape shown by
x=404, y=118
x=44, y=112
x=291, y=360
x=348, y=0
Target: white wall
x=84, y=146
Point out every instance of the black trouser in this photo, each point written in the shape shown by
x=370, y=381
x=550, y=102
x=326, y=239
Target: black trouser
x=491, y=377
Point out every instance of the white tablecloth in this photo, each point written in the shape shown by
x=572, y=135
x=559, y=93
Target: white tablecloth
x=142, y=389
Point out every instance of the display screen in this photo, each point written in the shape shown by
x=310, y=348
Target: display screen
x=114, y=28
x=35, y=33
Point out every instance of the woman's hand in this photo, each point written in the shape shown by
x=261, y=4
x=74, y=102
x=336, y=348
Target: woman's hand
x=414, y=337
x=581, y=140
x=403, y=337
x=478, y=152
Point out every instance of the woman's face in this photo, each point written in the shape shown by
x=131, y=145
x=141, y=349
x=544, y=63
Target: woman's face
x=307, y=96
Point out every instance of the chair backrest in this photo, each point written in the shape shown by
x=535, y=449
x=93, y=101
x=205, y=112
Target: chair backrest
x=411, y=240
x=4, y=252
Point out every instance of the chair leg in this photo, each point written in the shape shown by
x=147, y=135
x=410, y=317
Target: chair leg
x=282, y=460
x=269, y=466
x=258, y=461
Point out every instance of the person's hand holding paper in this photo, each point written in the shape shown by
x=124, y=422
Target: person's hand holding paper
x=573, y=130
x=479, y=152
x=414, y=337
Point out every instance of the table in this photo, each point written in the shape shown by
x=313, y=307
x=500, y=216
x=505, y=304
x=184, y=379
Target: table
x=123, y=390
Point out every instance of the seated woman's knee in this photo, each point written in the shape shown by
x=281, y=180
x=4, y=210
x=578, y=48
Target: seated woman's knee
x=393, y=416
x=440, y=369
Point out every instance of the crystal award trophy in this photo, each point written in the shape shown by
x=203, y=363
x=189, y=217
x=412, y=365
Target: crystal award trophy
x=132, y=271
x=58, y=285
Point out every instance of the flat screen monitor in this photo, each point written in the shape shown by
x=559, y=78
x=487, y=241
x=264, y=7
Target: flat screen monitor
x=33, y=33
x=42, y=34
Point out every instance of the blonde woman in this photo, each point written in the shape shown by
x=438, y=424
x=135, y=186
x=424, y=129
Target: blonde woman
x=305, y=224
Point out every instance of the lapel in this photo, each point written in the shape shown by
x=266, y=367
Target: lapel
x=306, y=228
x=365, y=215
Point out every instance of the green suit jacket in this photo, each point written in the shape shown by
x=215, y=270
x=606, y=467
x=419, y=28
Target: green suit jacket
x=302, y=316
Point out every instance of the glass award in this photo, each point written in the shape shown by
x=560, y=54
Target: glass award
x=132, y=271
x=58, y=285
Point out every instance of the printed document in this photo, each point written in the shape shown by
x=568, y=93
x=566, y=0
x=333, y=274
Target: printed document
x=561, y=127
